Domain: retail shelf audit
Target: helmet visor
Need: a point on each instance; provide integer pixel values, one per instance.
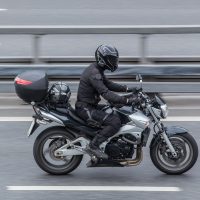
(113, 62)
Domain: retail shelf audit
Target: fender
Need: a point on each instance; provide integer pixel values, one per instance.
(175, 130)
(57, 128)
(170, 131)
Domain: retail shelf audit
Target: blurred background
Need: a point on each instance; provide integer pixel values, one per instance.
(89, 12)
(169, 63)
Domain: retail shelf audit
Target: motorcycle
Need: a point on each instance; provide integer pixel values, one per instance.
(59, 149)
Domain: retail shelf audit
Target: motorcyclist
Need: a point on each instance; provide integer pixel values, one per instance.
(93, 84)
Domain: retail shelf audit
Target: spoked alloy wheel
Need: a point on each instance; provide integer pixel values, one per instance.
(187, 154)
(50, 145)
(44, 152)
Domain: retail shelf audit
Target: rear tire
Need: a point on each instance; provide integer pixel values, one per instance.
(160, 160)
(39, 156)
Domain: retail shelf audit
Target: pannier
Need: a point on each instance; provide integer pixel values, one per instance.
(32, 86)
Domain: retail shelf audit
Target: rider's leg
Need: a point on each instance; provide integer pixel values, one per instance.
(111, 126)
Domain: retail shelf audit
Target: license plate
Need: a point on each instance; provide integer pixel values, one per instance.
(31, 129)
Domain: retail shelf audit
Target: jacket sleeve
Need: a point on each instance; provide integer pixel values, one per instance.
(114, 86)
(96, 81)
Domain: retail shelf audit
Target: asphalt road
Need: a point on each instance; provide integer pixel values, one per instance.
(18, 167)
(90, 12)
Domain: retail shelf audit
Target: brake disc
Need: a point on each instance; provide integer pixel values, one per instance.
(179, 147)
(54, 145)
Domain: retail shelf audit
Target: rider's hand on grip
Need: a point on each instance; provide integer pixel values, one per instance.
(135, 90)
(132, 101)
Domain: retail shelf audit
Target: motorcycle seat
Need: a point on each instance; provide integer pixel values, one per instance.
(72, 113)
(65, 114)
(88, 123)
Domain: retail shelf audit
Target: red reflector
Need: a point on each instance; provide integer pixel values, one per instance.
(22, 81)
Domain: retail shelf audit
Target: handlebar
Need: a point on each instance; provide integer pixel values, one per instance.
(144, 98)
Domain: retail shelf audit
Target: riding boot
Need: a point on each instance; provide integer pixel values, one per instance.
(93, 148)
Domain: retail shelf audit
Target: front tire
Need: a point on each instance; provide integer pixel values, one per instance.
(52, 139)
(187, 151)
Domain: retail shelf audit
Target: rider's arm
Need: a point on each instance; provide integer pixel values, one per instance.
(115, 86)
(97, 82)
(118, 87)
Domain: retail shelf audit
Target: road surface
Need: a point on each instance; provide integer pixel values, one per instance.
(18, 168)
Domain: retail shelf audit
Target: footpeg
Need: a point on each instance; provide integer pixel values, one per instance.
(93, 162)
(96, 153)
(94, 159)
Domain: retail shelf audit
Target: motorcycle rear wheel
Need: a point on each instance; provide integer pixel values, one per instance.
(46, 159)
(187, 151)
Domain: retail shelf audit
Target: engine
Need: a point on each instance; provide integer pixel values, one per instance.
(117, 148)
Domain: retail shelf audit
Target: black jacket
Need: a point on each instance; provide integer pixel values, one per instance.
(93, 84)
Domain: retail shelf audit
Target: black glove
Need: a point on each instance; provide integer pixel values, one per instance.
(135, 90)
(132, 101)
(116, 105)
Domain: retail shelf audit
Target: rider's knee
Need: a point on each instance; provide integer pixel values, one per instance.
(116, 122)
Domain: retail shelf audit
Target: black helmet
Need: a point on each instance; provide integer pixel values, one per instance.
(59, 94)
(107, 57)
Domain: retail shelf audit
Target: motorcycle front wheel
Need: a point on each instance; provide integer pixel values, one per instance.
(187, 154)
(44, 147)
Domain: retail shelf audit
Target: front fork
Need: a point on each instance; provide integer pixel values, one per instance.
(163, 133)
(169, 144)
(165, 137)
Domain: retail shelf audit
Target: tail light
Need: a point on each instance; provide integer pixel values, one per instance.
(20, 81)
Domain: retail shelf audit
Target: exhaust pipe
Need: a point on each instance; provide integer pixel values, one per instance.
(136, 161)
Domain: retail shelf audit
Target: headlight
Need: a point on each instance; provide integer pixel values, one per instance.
(164, 110)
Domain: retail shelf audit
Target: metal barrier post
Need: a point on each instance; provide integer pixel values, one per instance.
(36, 49)
(143, 49)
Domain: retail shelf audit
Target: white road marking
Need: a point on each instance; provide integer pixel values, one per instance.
(182, 119)
(184, 108)
(181, 97)
(15, 119)
(3, 9)
(169, 119)
(27, 106)
(95, 188)
(9, 97)
(24, 107)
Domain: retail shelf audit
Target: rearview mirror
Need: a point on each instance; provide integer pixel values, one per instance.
(138, 77)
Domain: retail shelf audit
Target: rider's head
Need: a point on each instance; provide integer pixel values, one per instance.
(107, 57)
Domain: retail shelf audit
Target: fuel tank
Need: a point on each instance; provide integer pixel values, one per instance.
(135, 117)
(140, 120)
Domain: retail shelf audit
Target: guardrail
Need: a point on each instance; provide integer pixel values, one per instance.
(143, 31)
(126, 71)
(62, 66)
(89, 59)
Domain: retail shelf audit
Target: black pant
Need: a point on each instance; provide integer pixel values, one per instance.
(111, 123)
